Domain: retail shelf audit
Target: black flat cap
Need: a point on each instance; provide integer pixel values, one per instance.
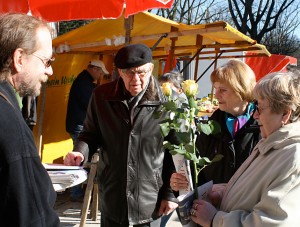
(133, 55)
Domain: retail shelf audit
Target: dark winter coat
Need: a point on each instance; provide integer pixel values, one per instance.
(79, 96)
(234, 150)
(132, 177)
(27, 196)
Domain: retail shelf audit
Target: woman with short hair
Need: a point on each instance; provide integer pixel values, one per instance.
(265, 189)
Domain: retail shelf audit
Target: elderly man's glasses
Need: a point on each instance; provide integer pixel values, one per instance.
(46, 61)
(130, 72)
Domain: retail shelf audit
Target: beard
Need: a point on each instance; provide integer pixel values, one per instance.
(31, 87)
(26, 90)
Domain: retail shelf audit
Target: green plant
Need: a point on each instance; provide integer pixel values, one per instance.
(179, 122)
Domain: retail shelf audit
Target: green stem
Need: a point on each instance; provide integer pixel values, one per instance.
(195, 180)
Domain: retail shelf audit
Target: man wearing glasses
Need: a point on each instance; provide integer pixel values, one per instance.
(133, 172)
(80, 93)
(27, 196)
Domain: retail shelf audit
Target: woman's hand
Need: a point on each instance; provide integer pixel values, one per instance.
(203, 213)
(178, 182)
(216, 194)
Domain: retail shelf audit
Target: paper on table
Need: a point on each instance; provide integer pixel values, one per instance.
(60, 167)
(67, 178)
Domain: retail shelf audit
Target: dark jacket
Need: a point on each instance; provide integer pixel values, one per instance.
(234, 150)
(80, 93)
(131, 174)
(27, 196)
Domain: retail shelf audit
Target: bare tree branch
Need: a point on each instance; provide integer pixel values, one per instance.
(256, 18)
(282, 39)
(188, 11)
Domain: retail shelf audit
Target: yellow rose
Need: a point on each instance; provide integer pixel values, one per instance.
(166, 89)
(190, 88)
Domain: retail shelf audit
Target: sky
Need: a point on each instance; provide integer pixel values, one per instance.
(297, 32)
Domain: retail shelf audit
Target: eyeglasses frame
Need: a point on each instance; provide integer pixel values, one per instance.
(46, 61)
(132, 73)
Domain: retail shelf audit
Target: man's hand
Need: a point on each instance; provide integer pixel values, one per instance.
(166, 207)
(73, 159)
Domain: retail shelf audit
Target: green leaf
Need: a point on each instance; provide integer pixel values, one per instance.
(180, 151)
(157, 114)
(172, 152)
(211, 127)
(189, 148)
(215, 127)
(183, 137)
(165, 129)
(192, 102)
(167, 145)
(191, 156)
(217, 158)
(201, 162)
(182, 116)
(205, 128)
(170, 106)
(207, 160)
(180, 110)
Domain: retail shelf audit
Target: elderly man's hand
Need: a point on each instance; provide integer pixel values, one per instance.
(166, 207)
(73, 159)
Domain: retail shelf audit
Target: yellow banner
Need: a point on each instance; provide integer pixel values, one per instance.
(56, 142)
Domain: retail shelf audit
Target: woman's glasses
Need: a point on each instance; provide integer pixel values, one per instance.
(259, 109)
(256, 107)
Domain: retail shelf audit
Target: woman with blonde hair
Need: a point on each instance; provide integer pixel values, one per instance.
(233, 82)
(264, 190)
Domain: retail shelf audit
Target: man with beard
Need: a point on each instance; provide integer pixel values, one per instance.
(133, 170)
(27, 196)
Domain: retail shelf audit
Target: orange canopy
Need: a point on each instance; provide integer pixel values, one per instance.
(275, 63)
(62, 10)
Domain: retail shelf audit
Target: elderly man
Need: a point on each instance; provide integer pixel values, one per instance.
(27, 196)
(133, 169)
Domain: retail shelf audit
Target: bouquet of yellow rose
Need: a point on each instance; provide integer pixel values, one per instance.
(179, 117)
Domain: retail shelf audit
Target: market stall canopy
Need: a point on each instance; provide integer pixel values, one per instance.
(276, 63)
(105, 37)
(62, 10)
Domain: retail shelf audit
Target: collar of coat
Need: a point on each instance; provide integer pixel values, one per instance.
(283, 137)
(8, 90)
